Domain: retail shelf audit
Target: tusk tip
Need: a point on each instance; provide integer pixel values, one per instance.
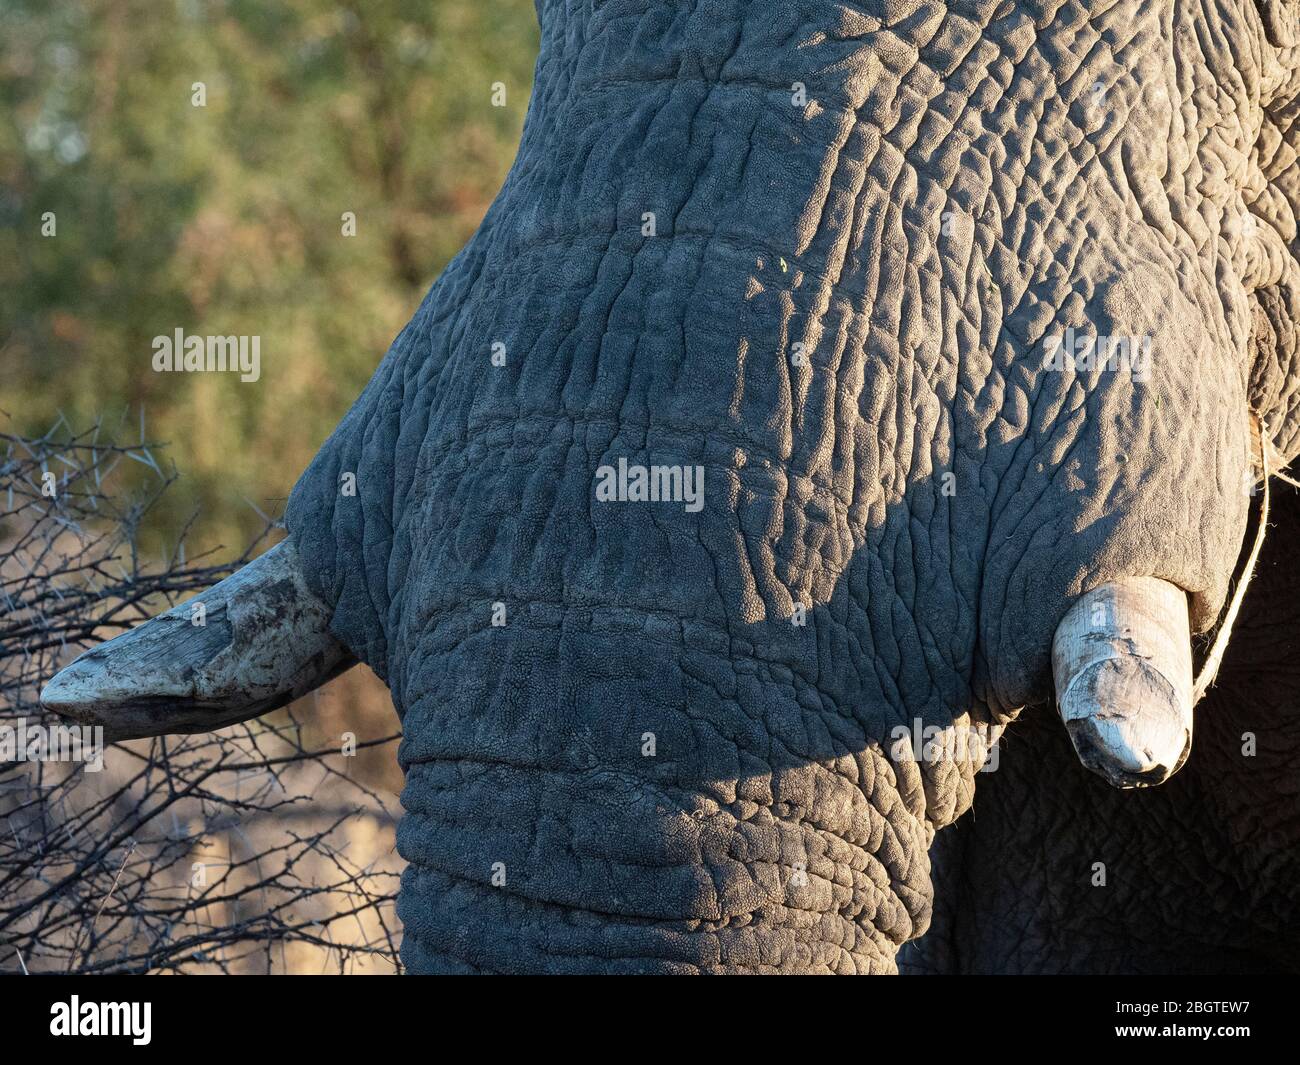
(69, 693)
(90, 691)
(1127, 722)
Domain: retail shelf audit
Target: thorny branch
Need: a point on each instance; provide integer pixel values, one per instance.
(218, 852)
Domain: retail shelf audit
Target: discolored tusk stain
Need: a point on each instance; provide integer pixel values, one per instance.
(1122, 663)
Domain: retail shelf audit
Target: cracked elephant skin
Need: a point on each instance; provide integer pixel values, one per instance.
(817, 251)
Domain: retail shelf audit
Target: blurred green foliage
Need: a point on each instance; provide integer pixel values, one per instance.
(226, 219)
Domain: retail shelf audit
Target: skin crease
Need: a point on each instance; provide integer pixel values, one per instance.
(816, 250)
(1202, 873)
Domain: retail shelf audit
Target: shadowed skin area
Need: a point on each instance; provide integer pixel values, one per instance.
(866, 219)
(1202, 873)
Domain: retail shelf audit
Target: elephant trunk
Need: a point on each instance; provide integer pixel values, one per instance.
(590, 791)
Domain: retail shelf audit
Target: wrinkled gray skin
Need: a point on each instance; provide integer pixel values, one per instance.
(1098, 166)
(1202, 875)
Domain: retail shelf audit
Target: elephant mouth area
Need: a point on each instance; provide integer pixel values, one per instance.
(660, 802)
(596, 871)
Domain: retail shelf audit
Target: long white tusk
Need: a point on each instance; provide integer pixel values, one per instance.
(260, 640)
(1122, 661)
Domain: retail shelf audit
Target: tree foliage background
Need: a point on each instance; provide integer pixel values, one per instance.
(226, 219)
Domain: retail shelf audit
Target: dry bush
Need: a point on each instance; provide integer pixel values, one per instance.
(257, 848)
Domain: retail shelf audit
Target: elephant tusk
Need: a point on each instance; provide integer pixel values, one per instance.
(1122, 662)
(249, 644)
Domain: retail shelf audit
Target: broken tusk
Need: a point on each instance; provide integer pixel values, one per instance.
(1122, 662)
(247, 645)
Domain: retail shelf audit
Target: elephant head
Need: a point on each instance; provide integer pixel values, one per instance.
(816, 365)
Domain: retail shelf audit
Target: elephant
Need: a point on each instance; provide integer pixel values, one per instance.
(824, 377)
